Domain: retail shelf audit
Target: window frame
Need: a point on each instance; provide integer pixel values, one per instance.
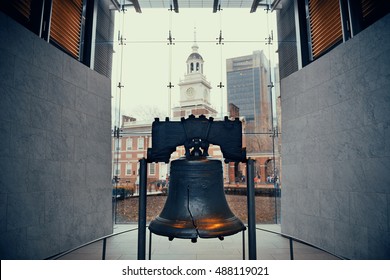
(129, 144)
(152, 169)
(40, 18)
(352, 23)
(129, 167)
(140, 143)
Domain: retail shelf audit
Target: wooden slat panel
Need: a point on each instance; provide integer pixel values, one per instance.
(372, 10)
(325, 25)
(24, 7)
(65, 26)
(368, 7)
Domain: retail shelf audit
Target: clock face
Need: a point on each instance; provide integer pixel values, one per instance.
(190, 92)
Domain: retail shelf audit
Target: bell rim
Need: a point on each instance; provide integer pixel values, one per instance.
(199, 231)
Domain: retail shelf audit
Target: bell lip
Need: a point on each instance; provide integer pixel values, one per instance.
(171, 231)
(190, 233)
(192, 158)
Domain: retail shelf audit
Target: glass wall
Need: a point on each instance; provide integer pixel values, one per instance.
(150, 79)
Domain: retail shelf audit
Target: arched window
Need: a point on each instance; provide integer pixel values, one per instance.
(192, 67)
(197, 67)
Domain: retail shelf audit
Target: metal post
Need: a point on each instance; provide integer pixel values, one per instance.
(251, 209)
(104, 249)
(291, 249)
(150, 245)
(142, 210)
(243, 244)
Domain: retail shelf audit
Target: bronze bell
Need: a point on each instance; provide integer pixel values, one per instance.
(196, 205)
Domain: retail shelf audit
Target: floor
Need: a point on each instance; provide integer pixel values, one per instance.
(270, 246)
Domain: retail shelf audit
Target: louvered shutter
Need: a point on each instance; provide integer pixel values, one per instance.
(65, 28)
(372, 10)
(325, 25)
(23, 7)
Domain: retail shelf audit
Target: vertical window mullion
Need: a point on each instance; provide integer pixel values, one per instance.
(309, 39)
(345, 20)
(87, 32)
(46, 20)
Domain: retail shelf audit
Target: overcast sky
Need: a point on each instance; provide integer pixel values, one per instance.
(147, 68)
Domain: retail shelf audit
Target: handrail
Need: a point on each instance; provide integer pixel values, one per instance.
(104, 238)
(291, 238)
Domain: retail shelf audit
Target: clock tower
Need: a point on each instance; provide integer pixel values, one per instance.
(194, 89)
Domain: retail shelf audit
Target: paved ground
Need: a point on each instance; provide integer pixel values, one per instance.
(270, 246)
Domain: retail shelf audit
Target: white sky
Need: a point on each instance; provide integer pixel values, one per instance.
(146, 67)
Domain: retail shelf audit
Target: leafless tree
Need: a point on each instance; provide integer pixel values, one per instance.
(148, 113)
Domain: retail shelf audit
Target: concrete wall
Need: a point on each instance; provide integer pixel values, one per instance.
(55, 160)
(336, 148)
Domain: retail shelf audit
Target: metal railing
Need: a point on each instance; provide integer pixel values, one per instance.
(104, 244)
(291, 239)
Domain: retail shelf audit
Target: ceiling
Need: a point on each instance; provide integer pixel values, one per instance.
(215, 5)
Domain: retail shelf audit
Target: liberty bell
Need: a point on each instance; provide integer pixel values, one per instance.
(196, 205)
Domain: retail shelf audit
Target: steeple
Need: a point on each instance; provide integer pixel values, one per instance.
(194, 88)
(195, 45)
(195, 60)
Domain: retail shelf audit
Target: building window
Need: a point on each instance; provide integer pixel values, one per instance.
(58, 21)
(363, 13)
(69, 25)
(25, 12)
(152, 168)
(65, 28)
(117, 169)
(324, 25)
(141, 143)
(129, 144)
(128, 169)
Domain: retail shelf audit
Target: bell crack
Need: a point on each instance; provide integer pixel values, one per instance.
(193, 240)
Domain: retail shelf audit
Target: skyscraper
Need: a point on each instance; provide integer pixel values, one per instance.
(248, 78)
(248, 81)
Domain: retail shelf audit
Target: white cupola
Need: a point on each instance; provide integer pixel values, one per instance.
(195, 60)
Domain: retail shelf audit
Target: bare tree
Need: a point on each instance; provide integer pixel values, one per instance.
(258, 143)
(148, 113)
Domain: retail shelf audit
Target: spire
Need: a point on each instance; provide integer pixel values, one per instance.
(194, 34)
(195, 45)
